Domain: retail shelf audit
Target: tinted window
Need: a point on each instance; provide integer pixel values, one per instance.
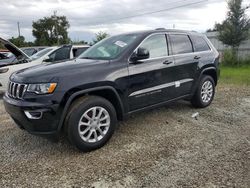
(199, 44)
(156, 45)
(181, 44)
(60, 54)
(29, 51)
(79, 51)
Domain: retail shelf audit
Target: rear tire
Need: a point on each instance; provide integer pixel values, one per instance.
(90, 122)
(204, 93)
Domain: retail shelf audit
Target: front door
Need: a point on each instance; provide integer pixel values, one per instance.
(151, 80)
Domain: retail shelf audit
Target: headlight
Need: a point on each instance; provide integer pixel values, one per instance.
(45, 88)
(4, 70)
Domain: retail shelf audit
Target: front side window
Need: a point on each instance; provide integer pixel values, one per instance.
(60, 54)
(199, 44)
(79, 51)
(181, 44)
(156, 45)
(109, 48)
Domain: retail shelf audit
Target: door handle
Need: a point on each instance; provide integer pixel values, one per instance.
(167, 62)
(197, 57)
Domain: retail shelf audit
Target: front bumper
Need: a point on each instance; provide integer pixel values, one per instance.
(46, 124)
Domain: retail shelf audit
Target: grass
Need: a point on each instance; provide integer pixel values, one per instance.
(235, 75)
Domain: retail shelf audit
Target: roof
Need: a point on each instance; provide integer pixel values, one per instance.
(158, 30)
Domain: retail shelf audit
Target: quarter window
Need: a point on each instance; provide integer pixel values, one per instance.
(199, 44)
(181, 44)
(156, 45)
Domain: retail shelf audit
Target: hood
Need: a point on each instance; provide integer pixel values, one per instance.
(44, 72)
(13, 49)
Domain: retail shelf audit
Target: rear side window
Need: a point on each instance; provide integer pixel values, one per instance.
(156, 45)
(199, 44)
(181, 44)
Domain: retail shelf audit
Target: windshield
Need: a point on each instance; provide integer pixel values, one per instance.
(41, 53)
(28, 51)
(109, 48)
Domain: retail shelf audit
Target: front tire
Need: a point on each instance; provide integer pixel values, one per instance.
(204, 94)
(90, 122)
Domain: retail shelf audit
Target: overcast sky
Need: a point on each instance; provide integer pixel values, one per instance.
(87, 17)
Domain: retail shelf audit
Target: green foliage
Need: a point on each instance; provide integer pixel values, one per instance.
(235, 28)
(217, 27)
(51, 30)
(20, 42)
(230, 58)
(235, 75)
(99, 36)
(79, 42)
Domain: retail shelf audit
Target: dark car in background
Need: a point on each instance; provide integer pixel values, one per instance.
(113, 79)
(32, 50)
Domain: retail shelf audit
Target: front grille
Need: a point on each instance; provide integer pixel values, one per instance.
(16, 90)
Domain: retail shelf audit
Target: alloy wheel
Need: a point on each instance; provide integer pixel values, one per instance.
(94, 124)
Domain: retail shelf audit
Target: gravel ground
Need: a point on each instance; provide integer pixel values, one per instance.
(165, 147)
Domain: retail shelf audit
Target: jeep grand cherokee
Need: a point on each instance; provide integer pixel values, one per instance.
(118, 76)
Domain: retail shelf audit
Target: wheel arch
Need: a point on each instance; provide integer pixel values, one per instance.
(107, 92)
(211, 71)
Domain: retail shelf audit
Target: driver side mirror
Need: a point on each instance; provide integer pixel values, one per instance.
(140, 54)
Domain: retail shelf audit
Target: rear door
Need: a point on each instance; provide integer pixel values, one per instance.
(202, 50)
(151, 80)
(185, 61)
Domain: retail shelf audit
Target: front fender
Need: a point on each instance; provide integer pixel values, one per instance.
(82, 92)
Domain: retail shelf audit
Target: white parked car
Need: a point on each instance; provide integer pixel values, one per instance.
(50, 54)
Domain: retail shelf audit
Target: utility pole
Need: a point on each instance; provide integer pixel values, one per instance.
(56, 29)
(18, 29)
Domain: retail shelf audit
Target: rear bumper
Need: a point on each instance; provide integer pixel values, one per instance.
(45, 123)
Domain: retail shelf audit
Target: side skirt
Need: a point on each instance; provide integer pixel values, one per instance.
(159, 104)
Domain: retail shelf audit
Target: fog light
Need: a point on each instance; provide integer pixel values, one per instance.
(33, 114)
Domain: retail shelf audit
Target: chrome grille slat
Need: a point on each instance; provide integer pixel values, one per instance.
(16, 90)
(11, 92)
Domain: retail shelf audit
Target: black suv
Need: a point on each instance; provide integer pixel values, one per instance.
(116, 77)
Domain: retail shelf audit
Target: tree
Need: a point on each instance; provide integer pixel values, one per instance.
(81, 42)
(51, 30)
(217, 27)
(235, 28)
(18, 41)
(99, 36)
